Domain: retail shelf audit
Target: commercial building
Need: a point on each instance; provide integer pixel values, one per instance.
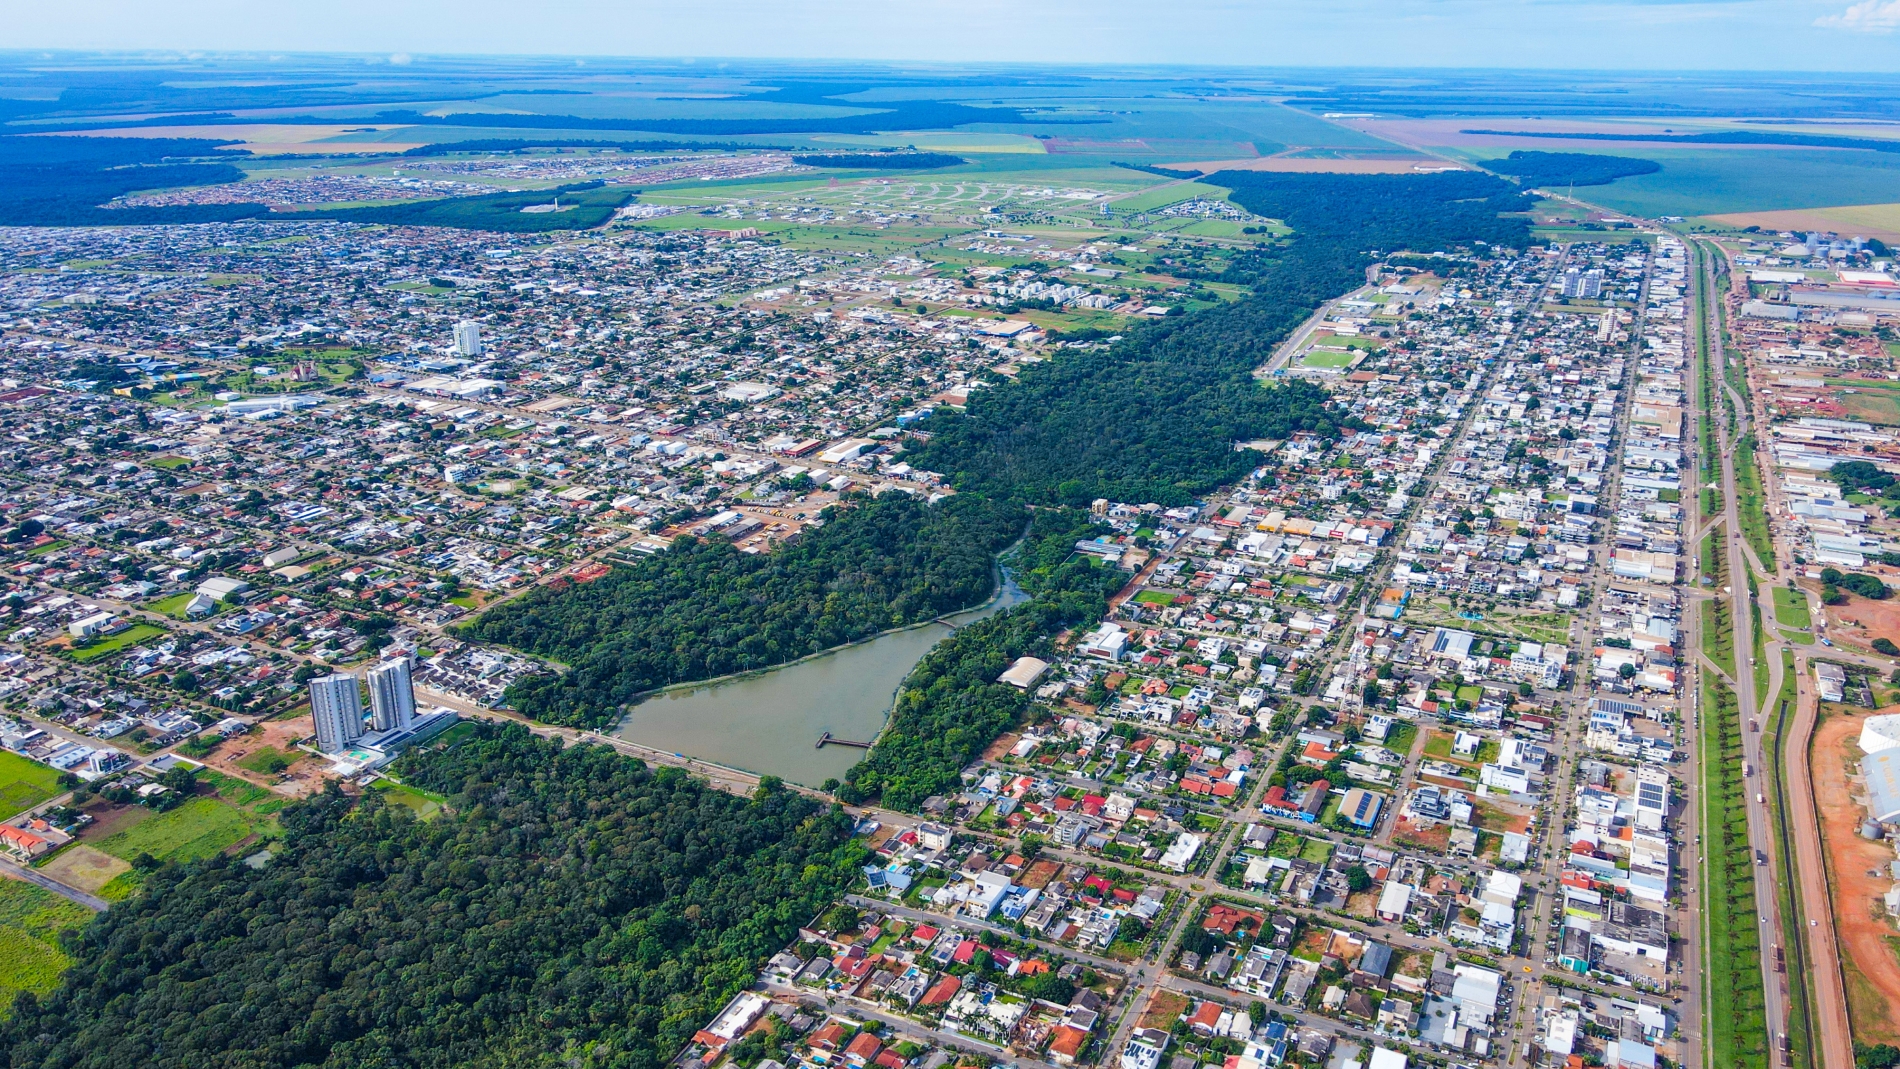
(1883, 785)
(392, 695)
(337, 707)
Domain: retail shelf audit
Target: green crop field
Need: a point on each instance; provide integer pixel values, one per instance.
(31, 919)
(198, 829)
(1711, 181)
(24, 784)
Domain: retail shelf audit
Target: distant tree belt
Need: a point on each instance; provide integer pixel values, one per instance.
(1714, 137)
(915, 161)
(61, 181)
(490, 144)
(569, 907)
(1570, 168)
(904, 115)
(950, 707)
(1165, 172)
(1156, 417)
(594, 204)
(703, 609)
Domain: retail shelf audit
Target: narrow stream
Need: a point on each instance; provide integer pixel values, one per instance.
(770, 722)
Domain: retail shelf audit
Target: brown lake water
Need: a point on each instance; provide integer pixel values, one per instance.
(769, 722)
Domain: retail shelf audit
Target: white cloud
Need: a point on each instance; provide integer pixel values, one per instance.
(1868, 16)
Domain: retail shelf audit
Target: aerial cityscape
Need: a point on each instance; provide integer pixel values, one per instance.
(593, 560)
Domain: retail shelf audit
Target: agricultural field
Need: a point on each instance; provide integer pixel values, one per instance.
(24, 784)
(31, 920)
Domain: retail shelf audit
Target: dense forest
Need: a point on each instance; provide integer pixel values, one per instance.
(703, 609)
(1156, 417)
(571, 907)
(951, 706)
(592, 204)
(1570, 168)
(61, 181)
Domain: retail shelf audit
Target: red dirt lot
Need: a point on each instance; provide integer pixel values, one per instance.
(1860, 621)
(1866, 937)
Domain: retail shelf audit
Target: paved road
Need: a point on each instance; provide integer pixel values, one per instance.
(1827, 990)
(1749, 703)
(904, 1027)
(39, 879)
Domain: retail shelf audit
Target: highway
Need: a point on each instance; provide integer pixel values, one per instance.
(1755, 709)
(1816, 946)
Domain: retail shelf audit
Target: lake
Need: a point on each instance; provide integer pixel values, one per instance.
(769, 722)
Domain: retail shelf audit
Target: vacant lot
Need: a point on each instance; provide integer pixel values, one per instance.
(24, 784)
(31, 919)
(1857, 870)
(198, 829)
(85, 867)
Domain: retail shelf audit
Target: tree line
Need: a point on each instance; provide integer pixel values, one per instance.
(1157, 416)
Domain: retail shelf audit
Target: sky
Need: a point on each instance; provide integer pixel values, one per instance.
(1806, 35)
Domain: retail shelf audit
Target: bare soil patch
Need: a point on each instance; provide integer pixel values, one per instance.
(1865, 936)
(83, 867)
(302, 778)
(1860, 621)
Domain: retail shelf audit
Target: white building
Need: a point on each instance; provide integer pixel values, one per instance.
(468, 338)
(1879, 733)
(392, 695)
(337, 707)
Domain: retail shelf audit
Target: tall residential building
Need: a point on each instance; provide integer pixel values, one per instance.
(337, 707)
(392, 695)
(468, 338)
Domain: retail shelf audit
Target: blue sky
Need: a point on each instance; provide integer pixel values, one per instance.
(1810, 35)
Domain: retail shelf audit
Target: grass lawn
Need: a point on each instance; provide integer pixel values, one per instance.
(112, 644)
(425, 803)
(1470, 693)
(1318, 851)
(232, 789)
(198, 829)
(174, 606)
(24, 784)
(31, 919)
(267, 760)
(1154, 597)
(1791, 608)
